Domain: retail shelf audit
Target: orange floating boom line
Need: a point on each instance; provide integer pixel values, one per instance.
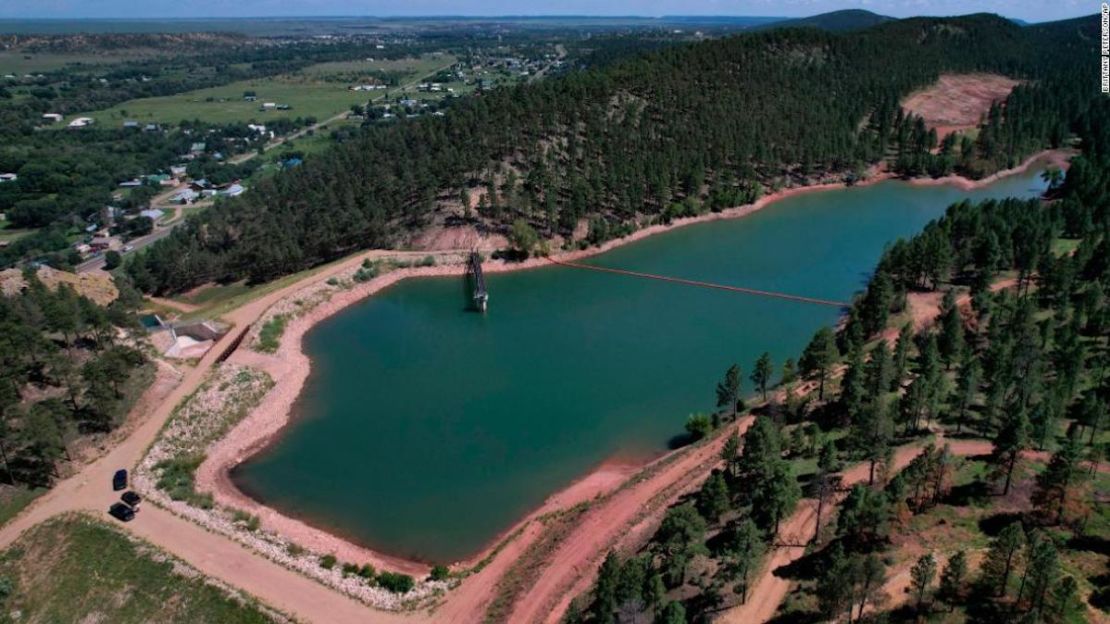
(689, 282)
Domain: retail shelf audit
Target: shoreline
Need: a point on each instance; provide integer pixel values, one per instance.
(290, 367)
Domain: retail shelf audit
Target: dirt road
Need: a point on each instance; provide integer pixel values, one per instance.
(572, 567)
(769, 591)
(90, 490)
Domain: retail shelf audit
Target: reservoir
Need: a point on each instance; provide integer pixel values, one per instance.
(426, 430)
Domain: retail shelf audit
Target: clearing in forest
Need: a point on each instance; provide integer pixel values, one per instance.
(958, 102)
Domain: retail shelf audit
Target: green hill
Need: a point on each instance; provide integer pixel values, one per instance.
(677, 131)
(835, 21)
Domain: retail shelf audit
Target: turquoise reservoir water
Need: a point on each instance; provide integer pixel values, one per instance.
(426, 430)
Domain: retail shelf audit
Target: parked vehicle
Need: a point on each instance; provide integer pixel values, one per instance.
(119, 480)
(121, 512)
(132, 498)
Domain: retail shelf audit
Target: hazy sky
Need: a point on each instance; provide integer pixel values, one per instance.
(1032, 10)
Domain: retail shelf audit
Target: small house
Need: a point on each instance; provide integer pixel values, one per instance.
(52, 117)
(8, 177)
(234, 190)
(81, 122)
(269, 105)
(197, 148)
(131, 124)
(186, 196)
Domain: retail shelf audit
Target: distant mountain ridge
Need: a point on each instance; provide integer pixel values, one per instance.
(835, 21)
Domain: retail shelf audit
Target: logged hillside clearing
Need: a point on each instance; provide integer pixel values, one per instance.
(959, 102)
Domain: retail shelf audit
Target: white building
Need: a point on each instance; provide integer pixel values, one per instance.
(81, 122)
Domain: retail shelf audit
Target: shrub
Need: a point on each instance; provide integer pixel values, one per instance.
(440, 572)
(176, 478)
(250, 521)
(349, 569)
(396, 583)
(112, 259)
(269, 338)
(367, 572)
(365, 274)
(327, 562)
(699, 426)
(294, 549)
(428, 261)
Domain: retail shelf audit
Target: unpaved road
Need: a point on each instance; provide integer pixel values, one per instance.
(217, 556)
(769, 591)
(570, 570)
(90, 490)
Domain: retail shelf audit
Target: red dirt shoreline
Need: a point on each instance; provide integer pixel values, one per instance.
(290, 368)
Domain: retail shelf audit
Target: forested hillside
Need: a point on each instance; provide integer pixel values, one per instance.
(1015, 364)
(673, 132)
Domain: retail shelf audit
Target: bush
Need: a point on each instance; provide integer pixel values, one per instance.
(249, 521)
(365, 274)
(396, 583)
(176, 478)
(294, 549)
(269, 338)
(367, 572)
(428, 261)
(327, 562)
(440, 572)
(112, 259)
(699, 426)
(349, 569)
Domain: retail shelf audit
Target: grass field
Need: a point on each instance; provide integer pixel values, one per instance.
(10, 234)
(78, 569)
(13, 499)
(20, 63)
(306, 92)
(416, 67)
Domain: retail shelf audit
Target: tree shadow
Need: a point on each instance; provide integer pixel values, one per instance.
(1090, 543)
(968, 494)
(992, 525)
(807, 567)
(680, 440)
(797, 617)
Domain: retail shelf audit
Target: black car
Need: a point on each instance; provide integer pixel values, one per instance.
(132, 499)
(121, 512)
(119, 480)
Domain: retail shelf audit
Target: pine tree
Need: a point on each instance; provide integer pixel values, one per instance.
(951, 340)
(713, 499)
(901, 357)
(879, 370)
(728, 390)
(952, 580)
(819, 356)
(1057, 485)
(1011, 440)
(605, 589)
(1003, 556)
(743, 552)
(852, 387)
(762, 373)
(922, 574)
(1041, 573)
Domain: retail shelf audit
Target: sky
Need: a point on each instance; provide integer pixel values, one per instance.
(1030, 10)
